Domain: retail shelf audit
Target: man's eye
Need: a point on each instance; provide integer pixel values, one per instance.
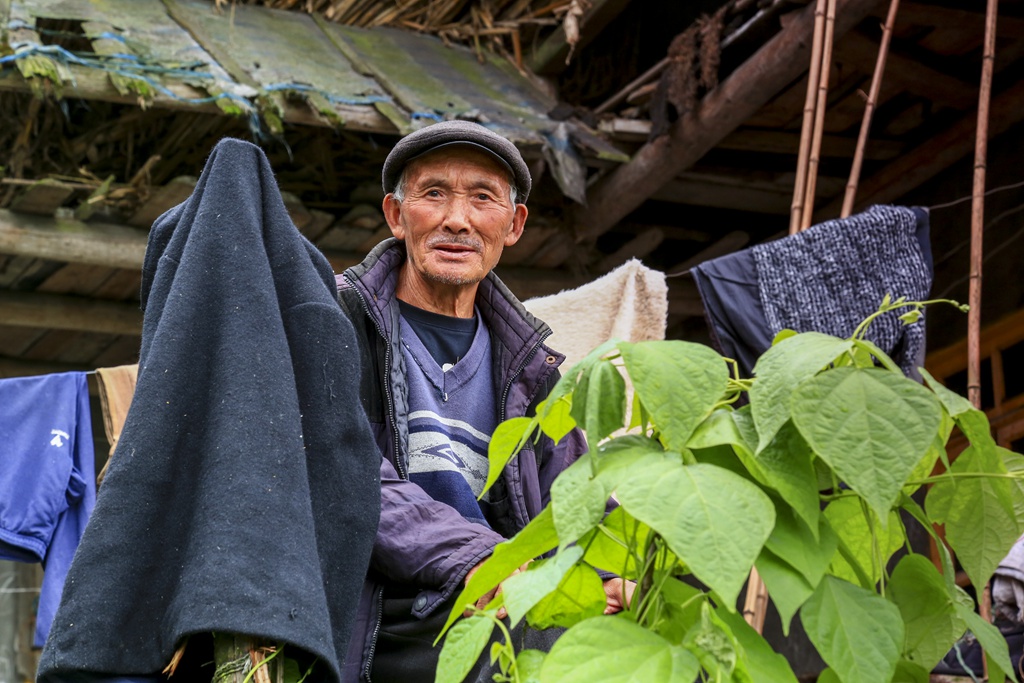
(433, 193)
(483, 196)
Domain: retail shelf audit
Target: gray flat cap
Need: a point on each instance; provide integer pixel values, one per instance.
(453, 133)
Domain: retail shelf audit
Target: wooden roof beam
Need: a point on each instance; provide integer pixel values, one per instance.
(922, 14)
(771, 69)
(59, 312)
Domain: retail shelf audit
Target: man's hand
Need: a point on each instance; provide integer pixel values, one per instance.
(489, 595)
(619, 595)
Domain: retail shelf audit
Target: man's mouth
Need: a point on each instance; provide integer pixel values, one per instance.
(455, 249)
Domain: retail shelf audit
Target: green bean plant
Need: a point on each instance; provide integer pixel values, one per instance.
(806, 482)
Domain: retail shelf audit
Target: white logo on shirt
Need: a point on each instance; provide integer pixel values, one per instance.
(57, 434)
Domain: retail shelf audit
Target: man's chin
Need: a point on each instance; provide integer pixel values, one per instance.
(455, 277)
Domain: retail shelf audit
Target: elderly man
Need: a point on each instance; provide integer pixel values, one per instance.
(448, 353)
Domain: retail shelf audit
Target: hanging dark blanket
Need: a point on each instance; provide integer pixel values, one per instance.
(244, 494)
(827, 278)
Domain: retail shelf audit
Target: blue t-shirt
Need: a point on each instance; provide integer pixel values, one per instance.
(451, 417)
(47, 478)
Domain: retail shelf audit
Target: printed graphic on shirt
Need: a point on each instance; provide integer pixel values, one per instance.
(59, 436)
(438, 444)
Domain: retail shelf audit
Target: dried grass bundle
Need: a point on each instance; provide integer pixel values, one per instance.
(502, 25)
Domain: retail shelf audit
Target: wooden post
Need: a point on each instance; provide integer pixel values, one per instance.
(807, 128)
(977, 231)
(820, 104)
(869, 110)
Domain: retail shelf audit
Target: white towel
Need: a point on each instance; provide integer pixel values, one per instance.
(630, 303)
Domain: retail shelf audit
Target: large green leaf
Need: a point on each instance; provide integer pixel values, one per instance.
(870, 425)
(978, 511)
(577, 501)
(735, 428)
(809, 553)
(537, 538)
(580, 595)
(955, 403)
(678, 383)
(618, 545)
(528, 665)
(506, 441)
(1014, 463)
(780, 369)
(624, 456)
(975, 426)
(682, 605)
(557, 417)
(616, 650)
(935, 451)
(929, 615)
(910, 672)
(462, 647)
(526, 589)
(788, 468)
(991, 640)
(756, 655)
(715, 647)
(713, 520)
(856, 631)
(567, 384)
(599, 402)
(846, 517)
(787, 587)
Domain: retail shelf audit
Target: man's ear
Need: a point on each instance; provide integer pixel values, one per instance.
(393, 215)
(518, 223)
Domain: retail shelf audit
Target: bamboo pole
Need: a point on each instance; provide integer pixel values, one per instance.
(977, 231)
(806, 130)
(869, 110)
(755, 605)
(820, 104)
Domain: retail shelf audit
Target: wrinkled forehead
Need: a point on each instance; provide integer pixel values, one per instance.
(458, 159)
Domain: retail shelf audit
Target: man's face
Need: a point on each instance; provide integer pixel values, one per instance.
(456, 217)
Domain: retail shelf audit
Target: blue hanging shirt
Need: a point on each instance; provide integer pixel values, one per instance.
(47, 478)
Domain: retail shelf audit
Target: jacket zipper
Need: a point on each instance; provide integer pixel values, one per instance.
(376, 632)
(399, 465)
(512, 379)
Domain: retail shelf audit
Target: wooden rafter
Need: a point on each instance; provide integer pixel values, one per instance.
(57, 312)
(771, 69)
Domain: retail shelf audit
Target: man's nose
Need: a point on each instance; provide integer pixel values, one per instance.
(458, 217)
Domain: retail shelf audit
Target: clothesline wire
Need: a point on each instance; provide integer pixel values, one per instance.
(969, 197)
(989, 252)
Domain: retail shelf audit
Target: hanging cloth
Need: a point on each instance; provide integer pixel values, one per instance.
(243, 496)
(47, 488)
(827, 279)
(630, 303)
(117, 386)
